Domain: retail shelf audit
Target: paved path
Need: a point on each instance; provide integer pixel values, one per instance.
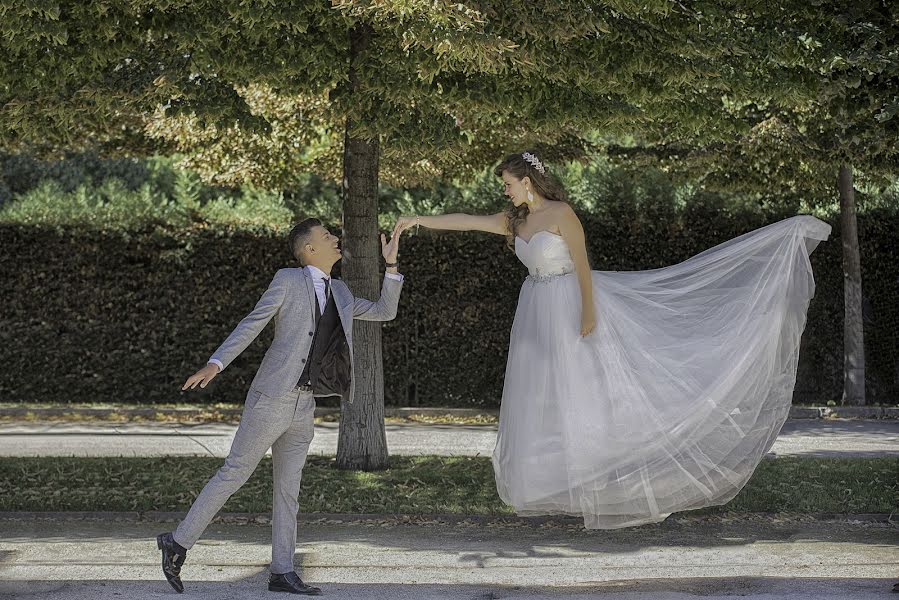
(687, 558)
(800, 437)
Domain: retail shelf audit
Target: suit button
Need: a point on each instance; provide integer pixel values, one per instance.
(310, 333)
(304, 360)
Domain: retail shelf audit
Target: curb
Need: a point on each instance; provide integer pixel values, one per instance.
(844, 412)
(796, 412)
(427, 519)
(320, 411)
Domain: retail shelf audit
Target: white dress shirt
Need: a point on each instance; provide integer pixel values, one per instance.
(318, 282)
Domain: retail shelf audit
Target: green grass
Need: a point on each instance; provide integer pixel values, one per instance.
(218, 412)
(413, 485)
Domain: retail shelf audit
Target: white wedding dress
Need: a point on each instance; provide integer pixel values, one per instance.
(677, 395)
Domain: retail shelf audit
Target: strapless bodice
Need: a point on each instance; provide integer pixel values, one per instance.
(545, 255)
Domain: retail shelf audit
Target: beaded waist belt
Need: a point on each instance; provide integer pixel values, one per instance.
(544, 277)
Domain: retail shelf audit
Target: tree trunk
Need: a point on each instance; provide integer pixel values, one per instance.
(853, 330)
(362, 443)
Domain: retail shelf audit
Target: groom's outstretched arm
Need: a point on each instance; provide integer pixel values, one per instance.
(386, 306)
(246, 331)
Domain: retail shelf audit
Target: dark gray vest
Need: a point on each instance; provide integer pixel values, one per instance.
(328, 368)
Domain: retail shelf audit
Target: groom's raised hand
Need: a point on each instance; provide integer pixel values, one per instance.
(391, 249)
(201, 377)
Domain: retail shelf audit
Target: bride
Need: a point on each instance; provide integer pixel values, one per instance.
(632, 395)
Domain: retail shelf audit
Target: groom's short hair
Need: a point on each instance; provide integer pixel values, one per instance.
(299, 236)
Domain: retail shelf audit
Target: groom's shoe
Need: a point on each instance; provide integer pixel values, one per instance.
(291, 582)
(173, 557)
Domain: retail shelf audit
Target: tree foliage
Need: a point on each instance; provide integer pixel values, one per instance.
(257, 91)
(849, 115)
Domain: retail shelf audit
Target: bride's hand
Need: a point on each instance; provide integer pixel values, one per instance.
(404, 223)
(588, 323)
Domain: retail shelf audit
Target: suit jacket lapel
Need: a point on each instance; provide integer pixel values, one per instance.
(340, 300)
(310, 290)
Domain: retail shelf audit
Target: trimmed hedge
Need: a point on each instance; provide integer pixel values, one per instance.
(117, 317)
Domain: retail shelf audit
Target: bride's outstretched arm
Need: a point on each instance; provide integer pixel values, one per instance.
(457, 222)
(573, 234)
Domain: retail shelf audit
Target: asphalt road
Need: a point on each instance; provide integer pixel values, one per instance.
(676, 560)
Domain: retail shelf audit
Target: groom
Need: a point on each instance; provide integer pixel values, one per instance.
(311, 355)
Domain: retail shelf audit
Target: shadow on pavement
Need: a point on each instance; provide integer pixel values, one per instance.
(770, 588)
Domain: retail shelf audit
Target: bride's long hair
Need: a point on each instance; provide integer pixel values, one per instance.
(544, 184)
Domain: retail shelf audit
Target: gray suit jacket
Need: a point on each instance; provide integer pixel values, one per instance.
(289, 300)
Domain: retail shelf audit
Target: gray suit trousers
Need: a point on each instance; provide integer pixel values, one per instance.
(284, 424)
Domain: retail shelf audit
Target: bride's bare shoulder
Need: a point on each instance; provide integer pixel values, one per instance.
(561, 211)
(559, 205)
